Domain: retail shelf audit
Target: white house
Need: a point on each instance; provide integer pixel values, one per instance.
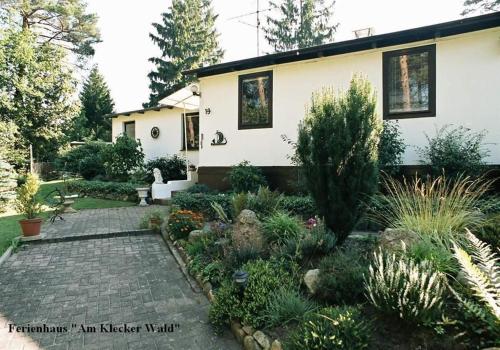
(426, 78)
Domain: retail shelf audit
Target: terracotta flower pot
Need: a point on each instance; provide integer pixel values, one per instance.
(155, 221)
(31, 227)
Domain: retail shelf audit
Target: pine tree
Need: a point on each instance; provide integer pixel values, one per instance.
(302, 23)
(96, 102)
(482, 6)
(188, 39)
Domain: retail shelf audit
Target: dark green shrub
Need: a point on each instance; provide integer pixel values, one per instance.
(302, 206)
(331, 328)
(313, 243)
(122, 158)
(280, 227)
(105, 190)
(341, 276)
(171, 168)
(265, 278)
(288, 306)
(490, 231)
(391, 147)
(201, 188)
(246, 178)
(86, 159)
(455, 151)
(201, 203)
(337, 148)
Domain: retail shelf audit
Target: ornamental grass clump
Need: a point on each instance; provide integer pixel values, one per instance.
(400, 287)
(182, 222)
(438, 210)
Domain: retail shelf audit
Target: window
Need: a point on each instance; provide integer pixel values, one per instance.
(255, 101)
(129, 129)
(193, 132)
(410, 83)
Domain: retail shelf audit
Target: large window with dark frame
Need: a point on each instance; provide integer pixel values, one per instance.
(410, 83)
(192, 130)
(255, 100)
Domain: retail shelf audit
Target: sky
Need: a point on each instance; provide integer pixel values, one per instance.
(125, 25)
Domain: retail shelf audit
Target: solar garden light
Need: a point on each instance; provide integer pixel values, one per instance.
(241, 279)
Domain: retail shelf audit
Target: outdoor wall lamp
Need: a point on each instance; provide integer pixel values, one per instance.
(195, 89)
(241, 279)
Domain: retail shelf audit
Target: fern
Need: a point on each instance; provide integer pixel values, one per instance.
(482, 272)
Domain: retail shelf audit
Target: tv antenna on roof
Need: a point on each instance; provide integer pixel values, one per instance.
(257, 25)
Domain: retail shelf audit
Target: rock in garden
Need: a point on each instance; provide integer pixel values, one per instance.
(391, 239)
(247, 232)
(196, 235)
(311, 280)
(262, 339)
(276, 345)
(249, 343)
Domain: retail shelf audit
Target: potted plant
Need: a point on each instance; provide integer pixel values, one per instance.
(27, 204)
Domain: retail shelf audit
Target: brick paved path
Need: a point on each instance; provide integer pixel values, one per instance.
(132, 279)
(98, 221)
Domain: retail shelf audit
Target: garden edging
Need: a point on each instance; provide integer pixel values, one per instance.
(249, 338)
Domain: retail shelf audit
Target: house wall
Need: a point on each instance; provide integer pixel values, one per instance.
(467, 93)
(169, 121)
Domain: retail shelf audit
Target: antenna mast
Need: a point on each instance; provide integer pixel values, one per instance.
(258, 29)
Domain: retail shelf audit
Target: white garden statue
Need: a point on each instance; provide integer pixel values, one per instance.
(157, 175)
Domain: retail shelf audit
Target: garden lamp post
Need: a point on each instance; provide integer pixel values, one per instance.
(240, 278)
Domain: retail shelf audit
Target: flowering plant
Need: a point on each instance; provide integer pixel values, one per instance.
(182, 222)
(312, 222)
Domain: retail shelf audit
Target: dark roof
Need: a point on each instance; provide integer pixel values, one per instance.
(460, 26)
(141, 111)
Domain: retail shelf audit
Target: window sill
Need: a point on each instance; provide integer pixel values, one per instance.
(410, 115)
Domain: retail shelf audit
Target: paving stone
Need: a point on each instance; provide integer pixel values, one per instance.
(129, 279)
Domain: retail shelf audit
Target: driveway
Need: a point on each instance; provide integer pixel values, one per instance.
(108, 293)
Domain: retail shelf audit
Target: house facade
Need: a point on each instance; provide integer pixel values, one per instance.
(161, 131)
(425, 78)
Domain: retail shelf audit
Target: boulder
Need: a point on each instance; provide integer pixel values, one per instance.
(392, 238)
(276, 345)
(249, 343)
(247, 232)
(262, 339)
(196, 235)
(311, 280)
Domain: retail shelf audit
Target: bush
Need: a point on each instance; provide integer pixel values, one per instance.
(86, 159)
(182, 222)
(391, 148)
(402, 288)
(201, 188)
(106, 190)
(246, 178)
(455, 152)
(288, 306)
(122, 158)
(332, 328)
(201, 203)
(264, 279)
(279, 227)
(302, 206)
(489, 232)
(171, 168)
(438, 256)
(337, 148)
(341, 276)
(438, 210)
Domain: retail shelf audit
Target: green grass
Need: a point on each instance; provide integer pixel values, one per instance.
(9, 226)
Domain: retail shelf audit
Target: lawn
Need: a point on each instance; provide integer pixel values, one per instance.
(9, 226)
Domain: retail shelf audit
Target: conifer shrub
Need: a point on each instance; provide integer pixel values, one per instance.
(337, 147)
(245, 177)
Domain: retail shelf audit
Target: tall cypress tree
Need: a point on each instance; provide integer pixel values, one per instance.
(96, 102)
(188, 39)
(301, 23)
